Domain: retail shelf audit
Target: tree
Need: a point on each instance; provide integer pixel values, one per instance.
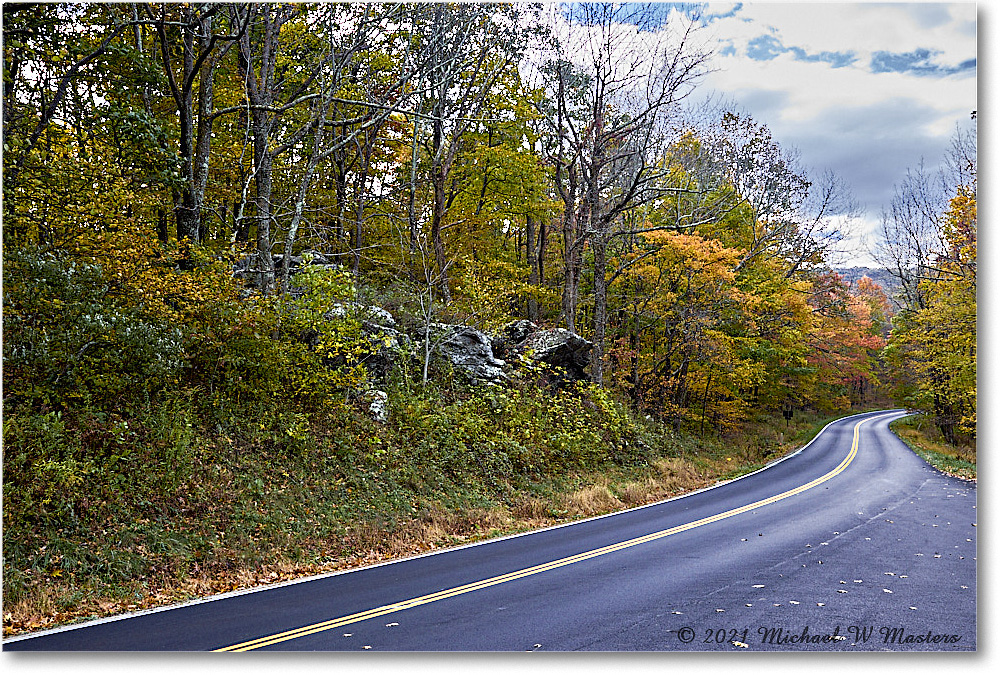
(929, 244)
(620, 73)
(191, 31)
(910, 232)
(469, 48)
(44, 60)
(846, 337)
(337, 72)
(937, 341)
(679, 299)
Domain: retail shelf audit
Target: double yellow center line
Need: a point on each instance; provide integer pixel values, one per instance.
(529, 571)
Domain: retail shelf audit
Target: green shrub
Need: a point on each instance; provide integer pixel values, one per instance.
(66, 341)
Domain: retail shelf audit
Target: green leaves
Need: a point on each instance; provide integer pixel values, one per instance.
(64, 341)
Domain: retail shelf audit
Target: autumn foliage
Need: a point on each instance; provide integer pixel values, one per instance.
(933, 343)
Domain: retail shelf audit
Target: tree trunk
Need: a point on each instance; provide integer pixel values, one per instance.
(571, 257)
(188, 210)
(412, 205)
(543, 231)
(532, 258)
(162, 231)
(262, 202)
(438, 180)
(203, 131)
(600, 248)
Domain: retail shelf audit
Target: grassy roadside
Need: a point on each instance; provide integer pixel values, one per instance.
(925, 439)
(233, 516)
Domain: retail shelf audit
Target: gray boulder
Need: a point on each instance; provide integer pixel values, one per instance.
(561, 351)
(511, 335)
(468, 350)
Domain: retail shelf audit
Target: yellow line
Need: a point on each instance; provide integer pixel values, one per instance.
(529, 571)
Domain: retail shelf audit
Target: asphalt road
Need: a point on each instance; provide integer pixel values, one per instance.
(852, 544)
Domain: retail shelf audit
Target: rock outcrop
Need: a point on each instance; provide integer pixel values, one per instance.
(563, 352)
(468, 350)
(370, 313)
(559, 355)
(388, 346)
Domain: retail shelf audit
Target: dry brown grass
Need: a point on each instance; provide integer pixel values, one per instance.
(591, 501)
(528, 508)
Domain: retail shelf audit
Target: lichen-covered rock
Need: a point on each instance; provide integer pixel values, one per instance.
(563, 353)
(559, 348)
(468, 350)
(370, 313)
(388, 348)
(379, 407)
(511, 335)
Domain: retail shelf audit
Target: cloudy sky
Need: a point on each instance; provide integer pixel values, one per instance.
(864, 89)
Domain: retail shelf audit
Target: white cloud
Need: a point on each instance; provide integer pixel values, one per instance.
(868, 126)
(808, 71)
(857, 29)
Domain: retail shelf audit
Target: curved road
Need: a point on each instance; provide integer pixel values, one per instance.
(853, 543)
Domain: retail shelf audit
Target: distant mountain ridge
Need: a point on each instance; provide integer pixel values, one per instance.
(882, 277)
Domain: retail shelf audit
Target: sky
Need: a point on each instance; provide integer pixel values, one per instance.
(865, 89)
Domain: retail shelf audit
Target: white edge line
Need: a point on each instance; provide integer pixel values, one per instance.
(326, 575)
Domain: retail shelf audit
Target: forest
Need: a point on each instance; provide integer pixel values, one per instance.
(190, 188)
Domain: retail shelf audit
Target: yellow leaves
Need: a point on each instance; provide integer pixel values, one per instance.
(960, 230)
(935, 346)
